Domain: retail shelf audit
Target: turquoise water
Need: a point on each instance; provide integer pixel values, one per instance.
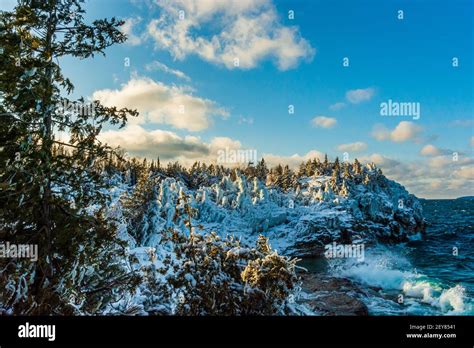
(451, 226)
(430, 276)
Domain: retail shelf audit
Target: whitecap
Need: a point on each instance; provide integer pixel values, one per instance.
(392, 272)
(453, 300)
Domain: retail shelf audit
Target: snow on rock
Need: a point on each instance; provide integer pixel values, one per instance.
(298, 222)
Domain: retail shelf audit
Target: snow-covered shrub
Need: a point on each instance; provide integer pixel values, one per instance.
(270, 272)
(210, 275)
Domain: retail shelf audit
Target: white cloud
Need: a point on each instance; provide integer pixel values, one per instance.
(156, 65)
(292, 161)
(160, 103)
(356, 96)
(248, 30)
(439, 162)
(404, 131)
(465, 172)
(431, 150)
(127, 29)
(353, 147)
(219, 143)
(472, 141)
(380, 160)
(337, 106)
(380, 132)
(323, 122)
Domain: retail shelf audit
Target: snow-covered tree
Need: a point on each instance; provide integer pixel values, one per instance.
(347, 172)
(325, 165)
(48, 186)
(262, 170)
(344, 190)
(357, 167)
(141, 210)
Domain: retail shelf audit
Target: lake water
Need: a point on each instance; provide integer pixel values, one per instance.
(433, 275)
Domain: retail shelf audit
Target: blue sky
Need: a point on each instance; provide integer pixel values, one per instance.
(295, 62)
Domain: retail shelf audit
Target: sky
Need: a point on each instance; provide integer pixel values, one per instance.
(292, 80)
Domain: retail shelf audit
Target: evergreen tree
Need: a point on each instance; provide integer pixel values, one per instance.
(262, 170)
(325, 164)
(271, 177)
(344, 191)
(309, 168)
(45, 194)
(335, 178)
(212, 169)
(141, 209)
(250, 171)
(337, 165)
(347, 172)
(278, 176)
(286, 178)
(366, 179)
(302, 170)
(357, 167)
(279, 170)
(316, 166)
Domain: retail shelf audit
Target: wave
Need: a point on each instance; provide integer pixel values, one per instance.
(394, 286)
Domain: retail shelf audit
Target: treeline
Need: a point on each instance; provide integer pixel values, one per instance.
(279, 176)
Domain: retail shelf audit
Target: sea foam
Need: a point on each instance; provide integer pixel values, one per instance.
(391, 271)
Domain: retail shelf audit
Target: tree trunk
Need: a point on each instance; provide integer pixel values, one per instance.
(48, 139)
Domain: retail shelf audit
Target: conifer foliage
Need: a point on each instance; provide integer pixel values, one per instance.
(51, 191)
